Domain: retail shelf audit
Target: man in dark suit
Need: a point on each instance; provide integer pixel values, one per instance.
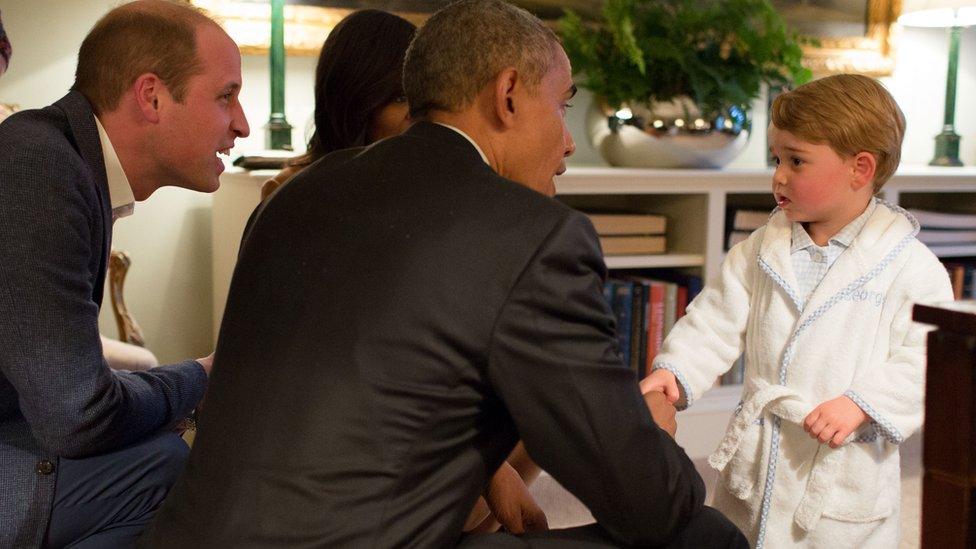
(86, 453)
(401, 315)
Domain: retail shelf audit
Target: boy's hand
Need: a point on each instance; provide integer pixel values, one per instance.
(662, 381)
(833, 420)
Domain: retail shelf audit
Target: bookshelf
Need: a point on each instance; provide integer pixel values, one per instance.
(695, 202)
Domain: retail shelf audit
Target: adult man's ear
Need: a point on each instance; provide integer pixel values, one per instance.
(148, 87)
(505, 87)
(865, 166)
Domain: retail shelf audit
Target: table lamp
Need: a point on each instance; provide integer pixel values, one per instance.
(954, 14)
(279, 130)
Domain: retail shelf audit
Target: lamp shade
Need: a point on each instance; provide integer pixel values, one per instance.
(938, 13)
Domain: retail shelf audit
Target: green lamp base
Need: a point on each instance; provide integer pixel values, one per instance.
(279, 132)
(946, 149)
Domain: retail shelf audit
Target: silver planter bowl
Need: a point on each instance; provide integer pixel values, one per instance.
(667, 135)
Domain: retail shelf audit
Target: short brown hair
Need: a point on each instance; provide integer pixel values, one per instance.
(462, 47)
(850, 113)
(151, 36)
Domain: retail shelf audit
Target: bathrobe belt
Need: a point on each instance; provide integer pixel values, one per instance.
(785, 403)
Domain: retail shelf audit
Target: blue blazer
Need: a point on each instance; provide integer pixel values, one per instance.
(58, 397)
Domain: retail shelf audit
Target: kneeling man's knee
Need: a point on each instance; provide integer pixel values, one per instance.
(166, 454)
(713, 529)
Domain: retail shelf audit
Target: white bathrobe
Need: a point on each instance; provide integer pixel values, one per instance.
(853, 337)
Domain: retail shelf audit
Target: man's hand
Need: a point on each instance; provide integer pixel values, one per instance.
(661, 381)
(479, 518)
(512, 505)
(834, 420)
(509, 503)
(207, 363)
(662, 411)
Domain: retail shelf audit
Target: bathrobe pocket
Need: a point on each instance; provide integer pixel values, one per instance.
(865, 490)
(741, 474)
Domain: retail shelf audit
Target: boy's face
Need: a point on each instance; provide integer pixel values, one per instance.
(814, 185)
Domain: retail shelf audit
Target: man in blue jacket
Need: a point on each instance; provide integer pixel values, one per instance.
(87, 453)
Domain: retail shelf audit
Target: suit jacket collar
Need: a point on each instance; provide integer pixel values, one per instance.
(84, 134)
(447, 139)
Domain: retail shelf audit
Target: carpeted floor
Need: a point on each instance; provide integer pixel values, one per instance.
(564, 510)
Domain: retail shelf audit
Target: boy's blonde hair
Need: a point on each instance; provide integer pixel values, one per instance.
(850, 113)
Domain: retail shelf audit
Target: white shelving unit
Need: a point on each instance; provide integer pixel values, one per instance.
(695, 202)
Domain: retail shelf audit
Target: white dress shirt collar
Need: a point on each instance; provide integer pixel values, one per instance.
(119, 190)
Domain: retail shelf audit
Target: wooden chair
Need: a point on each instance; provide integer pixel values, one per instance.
(128, 352)
(129, 330)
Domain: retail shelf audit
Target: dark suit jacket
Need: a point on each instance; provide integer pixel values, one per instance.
(398, 318)
(57, 395)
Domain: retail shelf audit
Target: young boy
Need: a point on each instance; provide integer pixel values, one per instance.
(820, 301)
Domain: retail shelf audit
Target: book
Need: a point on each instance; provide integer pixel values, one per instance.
(608, 293)
(670, 306)
(632, 245)
(967, 277)
(655, 325)
(692, 282)
(962, 276)
(627, 224)
(638, 329)
(935, 237)
(623, 296)
(749, 220)
(957, 274)
(942, 220)
(682, 301)
(971, 277)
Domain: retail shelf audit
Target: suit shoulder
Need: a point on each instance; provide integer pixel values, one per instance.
(337, 158)
(331, 163)
(531, 199)
(40, 160)
(41, 134)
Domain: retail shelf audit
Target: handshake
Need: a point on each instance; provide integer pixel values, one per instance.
(660, 390)
(830, 423)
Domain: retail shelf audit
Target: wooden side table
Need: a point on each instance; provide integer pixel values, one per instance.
(949, 453)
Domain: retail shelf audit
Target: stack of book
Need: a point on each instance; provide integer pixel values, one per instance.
(629, 234)
(646, 309)
(741, 222)
(941, 229)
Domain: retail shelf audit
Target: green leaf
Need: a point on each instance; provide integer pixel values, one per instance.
(718, 52)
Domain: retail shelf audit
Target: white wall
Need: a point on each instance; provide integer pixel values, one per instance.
(169, 288)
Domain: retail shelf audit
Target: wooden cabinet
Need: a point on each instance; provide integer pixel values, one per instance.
(949, 451)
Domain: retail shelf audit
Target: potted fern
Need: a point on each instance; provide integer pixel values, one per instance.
(675, 78)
